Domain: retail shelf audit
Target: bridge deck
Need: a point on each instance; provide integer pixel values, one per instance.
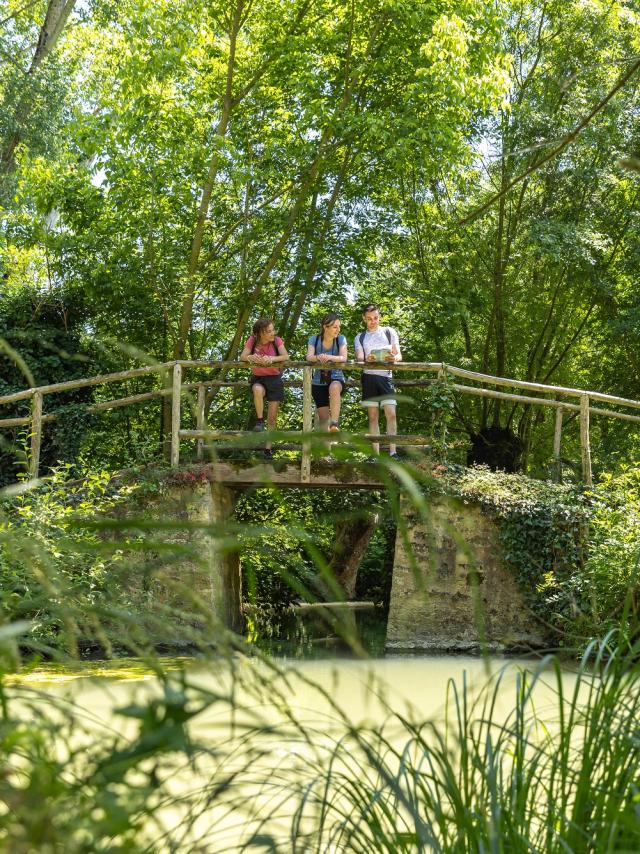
(282, 474)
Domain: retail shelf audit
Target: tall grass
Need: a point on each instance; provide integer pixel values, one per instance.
(223, 759)
(226, 761)
(561, 778)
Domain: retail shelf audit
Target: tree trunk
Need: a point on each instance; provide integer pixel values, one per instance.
(351, 542)
(297, 301)
(498, 298)
(186, 314)
(186, 317)
(278, 249)
(56, 17)
(301, 267)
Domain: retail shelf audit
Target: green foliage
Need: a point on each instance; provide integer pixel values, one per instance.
(48, 334)
(47, 331)
(375, 573)
(73, 421)
(574, 552)
(353, 141)
(611, 584)
(538, 287)
(277, 569)
(79, 785)
(286, 564)
(558, 778)
(440, 401)
(53, 572)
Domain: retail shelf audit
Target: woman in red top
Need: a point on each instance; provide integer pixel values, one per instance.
(264, 349)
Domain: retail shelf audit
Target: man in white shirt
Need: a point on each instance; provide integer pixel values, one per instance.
(378, 344)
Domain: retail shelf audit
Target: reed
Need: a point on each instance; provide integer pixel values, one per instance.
(226, 761)
(563, 778)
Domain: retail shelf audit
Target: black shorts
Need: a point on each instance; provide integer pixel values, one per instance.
(273, 387)
(377, 391)
(320, 393)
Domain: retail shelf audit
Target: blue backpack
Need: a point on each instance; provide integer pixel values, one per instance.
(325, 374)
(334, 345)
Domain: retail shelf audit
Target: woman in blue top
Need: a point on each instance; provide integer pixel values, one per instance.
(327, 384)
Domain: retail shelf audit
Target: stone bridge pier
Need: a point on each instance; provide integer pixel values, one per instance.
(450, 589)
(188, 565)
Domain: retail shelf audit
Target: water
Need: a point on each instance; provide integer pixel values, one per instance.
(276, 724)
(308, 636)
(367, 692)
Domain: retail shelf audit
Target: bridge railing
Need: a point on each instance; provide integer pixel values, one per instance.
(557, 397)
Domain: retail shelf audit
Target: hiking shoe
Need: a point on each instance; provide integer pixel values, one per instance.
(267, 454)
(395, 457)
(372, 460)
(258, 426)
(333, 427)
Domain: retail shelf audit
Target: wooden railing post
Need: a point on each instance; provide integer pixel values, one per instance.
(200, 420)
(557, 440)
(36, 434)
(175, 416)
(307, 424)
(584, 439)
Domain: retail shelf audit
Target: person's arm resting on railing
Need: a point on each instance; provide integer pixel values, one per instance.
(340, 356)
(247, 356)
(282, 354)
(258, 359)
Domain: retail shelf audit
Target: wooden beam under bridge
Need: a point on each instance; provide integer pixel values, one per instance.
(282, 475)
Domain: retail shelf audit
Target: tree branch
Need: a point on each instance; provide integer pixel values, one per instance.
(567, 140)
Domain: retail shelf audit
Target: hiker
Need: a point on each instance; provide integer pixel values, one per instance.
(264, 350)
(378, 344)
(327, 384)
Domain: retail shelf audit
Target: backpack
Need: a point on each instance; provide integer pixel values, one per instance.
(333, 345)
(325, 375)
(386, 331)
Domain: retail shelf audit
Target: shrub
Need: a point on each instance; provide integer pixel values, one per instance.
(53, 572)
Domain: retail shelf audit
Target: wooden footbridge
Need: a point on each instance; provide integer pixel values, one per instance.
(584, 404)
(437, 610)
